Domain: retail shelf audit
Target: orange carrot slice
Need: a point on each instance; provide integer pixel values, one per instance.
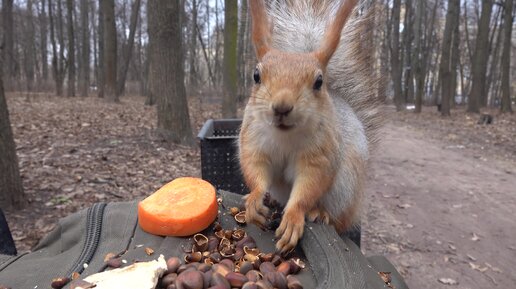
(183, 207)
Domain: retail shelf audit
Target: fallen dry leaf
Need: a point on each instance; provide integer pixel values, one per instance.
(404, 206)
(475, 237)
(448, 281)
(495, 269)
(478, 267)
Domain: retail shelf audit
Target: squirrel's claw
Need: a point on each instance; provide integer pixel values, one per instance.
(255, 211)
(290, 230)
(318, 214)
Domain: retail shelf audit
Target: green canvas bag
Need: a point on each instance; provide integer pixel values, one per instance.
(80, 242)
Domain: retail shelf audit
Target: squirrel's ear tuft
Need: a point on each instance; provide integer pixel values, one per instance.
(332, 36)
(261, 28)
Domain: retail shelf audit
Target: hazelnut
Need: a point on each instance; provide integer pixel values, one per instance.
(190, 280)
(245, 267)
(219, 280)
(172, 265)
(284, 268)
(267, 267)
(293, 283)
(168, 279)
(234, 210)
(236, 279)
(58, 283)
(253, 275)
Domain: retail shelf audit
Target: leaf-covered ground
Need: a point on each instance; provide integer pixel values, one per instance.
(77, 151)
(435, 183)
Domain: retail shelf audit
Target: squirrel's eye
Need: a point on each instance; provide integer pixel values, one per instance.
(318, 82)
(256, 76)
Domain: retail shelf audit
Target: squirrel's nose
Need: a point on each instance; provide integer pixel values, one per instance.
(282, 110)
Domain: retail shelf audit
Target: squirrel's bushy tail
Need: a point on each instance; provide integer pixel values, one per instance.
(299, 26)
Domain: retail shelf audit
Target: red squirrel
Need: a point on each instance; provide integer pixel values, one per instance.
(312, 116)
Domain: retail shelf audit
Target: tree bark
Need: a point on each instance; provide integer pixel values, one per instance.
(229, 102)
(58, 62)
(445, 73)
(110, 49)
(408, 89)
(206, 58)
(11, 189)
(193, 48)
(166, 76)
(454, 57)
(71, 49)
(480, 57)
(242, 33)
(506, 56)
(8, 42)
(495, 41)
(29, 51)
(395, 56)
(100, 67)
(128, 49)
(418, 59)
(43, 41)
(84, 78)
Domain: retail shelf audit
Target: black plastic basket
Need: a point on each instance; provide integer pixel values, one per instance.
(219, 162)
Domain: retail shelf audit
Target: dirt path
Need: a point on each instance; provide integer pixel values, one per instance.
(437, 210)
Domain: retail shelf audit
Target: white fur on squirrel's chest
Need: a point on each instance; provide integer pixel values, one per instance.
(283, 148)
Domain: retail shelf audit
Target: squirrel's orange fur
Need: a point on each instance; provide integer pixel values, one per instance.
(301, 139)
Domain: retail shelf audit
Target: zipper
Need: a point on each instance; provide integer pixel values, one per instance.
(94, 217)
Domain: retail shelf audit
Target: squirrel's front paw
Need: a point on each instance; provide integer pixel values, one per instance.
(318, 214)
(290, 230)
(255, 211)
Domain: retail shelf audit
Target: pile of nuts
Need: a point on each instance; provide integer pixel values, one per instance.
(227, 260)
(230, 259)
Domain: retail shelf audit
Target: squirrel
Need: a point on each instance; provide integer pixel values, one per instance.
(312, 116)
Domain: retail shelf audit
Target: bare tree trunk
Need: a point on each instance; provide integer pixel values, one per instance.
(445, 73)
(71, 49)
(142, 60)
(384, 52)
(110, 55)
(206, 58)
(480, 57)
(193, 48)
(418, 59)
(454, 57)
(466, 32)
(43, 41)
(408, 89)
(216, 65)
(506, 57)
(8, 42)
(495, 42)
(167, 74)
(100, 67)
(242, 33)
(11, 189)
(128, 49)
(84, 77)
(30, 48)
(395, 56)
(230, 59)
(58, 62)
